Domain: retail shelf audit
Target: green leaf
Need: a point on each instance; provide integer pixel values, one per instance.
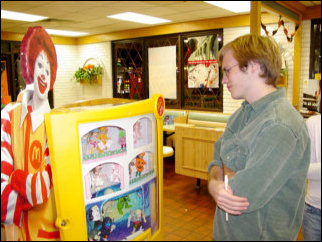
(88, 75)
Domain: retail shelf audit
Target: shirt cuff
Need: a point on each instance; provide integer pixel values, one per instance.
(214, 163)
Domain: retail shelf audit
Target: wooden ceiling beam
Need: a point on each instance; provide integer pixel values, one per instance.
(312, 12)
(295, 6)
(279, 8)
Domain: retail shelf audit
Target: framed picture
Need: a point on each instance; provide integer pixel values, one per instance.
(203, 69)
(202, 88)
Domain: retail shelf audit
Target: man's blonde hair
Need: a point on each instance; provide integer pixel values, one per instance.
(259, 49)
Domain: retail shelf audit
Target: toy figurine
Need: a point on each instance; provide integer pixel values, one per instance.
(137, 135)
(97, 181)
(102, 137)
(107, 208)
(136, 217)
(103, 225)
(115, 176)
(139, 164)
(132, 170)
(95, 216)
(123, 202)
(122, 139)
(27, 200)
(92, 140)
(107, 228)
(94, 235)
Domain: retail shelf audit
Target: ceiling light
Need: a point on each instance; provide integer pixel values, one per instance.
(138, 18)
(65, 32)
(233, 6)
(20, 16)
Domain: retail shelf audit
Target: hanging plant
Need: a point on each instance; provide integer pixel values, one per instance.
(90, 74)
(282, 80)
(283, 72)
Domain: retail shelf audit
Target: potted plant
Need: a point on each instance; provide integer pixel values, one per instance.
(282, 80)
(89, 74)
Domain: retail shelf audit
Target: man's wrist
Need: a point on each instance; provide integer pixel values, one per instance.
(216, 173)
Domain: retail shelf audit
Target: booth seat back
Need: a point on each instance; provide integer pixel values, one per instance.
(209, 117)
(203, 119)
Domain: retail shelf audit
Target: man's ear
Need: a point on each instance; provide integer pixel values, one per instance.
(254, 67)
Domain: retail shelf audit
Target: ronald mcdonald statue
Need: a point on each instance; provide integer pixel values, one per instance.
(27, 196)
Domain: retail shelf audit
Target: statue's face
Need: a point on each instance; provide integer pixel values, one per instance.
(42, 75)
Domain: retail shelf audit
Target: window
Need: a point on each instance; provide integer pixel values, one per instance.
(202, 88)
(129, 79)
(197, 71)
(315, 55)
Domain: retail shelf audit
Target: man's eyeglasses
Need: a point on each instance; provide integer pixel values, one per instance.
(227, 70)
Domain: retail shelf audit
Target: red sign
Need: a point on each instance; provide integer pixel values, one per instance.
(160, 106)
(204, 62)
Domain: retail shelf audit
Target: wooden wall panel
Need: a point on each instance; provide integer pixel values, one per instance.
(195, 149)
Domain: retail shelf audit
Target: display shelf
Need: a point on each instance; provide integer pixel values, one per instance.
(109, 160)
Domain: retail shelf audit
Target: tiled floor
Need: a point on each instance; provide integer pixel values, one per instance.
(188, 212)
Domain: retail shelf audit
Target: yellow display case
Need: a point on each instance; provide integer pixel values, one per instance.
(107, 167)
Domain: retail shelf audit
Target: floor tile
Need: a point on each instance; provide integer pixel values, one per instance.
(188, 211)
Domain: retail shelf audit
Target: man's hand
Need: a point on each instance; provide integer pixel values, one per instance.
(225, 200)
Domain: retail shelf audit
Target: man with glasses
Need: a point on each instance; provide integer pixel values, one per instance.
(264, 151)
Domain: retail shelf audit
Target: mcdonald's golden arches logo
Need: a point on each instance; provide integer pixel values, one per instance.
(35, 154)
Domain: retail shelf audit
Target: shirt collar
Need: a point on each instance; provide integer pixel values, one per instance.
(37, 116)
(261, 103)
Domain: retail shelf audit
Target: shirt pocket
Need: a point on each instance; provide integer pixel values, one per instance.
(233, 152)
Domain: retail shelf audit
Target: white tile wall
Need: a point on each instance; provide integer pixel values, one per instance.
(231, 105)
(70, 57)
(101, 52)
(305, 55)
(65, 89)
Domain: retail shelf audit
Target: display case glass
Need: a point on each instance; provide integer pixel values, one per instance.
(107, 170)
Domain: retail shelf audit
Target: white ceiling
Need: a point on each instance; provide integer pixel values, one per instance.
(90, 16)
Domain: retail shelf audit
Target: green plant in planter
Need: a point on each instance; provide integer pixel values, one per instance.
(89, 73)
(283, 72)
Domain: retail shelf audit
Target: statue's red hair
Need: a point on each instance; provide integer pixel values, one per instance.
(36, 40)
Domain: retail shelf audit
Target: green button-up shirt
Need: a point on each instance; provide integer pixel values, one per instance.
(267, 144)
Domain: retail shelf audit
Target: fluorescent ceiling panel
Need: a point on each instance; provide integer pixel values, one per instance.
(65, 33)
(21, 16)
(138, 18)
(233, 6)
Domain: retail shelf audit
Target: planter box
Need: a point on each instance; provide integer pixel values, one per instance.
(282, 81)
(94, 81)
